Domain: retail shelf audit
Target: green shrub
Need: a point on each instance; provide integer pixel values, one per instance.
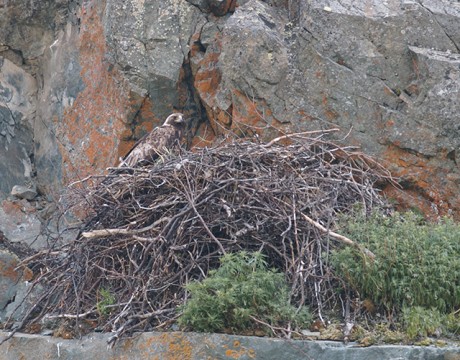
(453, 323)
(241, 289)
(419, 321)
(416, 263)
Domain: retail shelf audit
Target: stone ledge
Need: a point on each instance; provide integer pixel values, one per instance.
(194, 346)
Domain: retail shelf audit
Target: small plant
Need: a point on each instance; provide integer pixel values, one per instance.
(106, 299)
(416, 263)
(240, 296)
(453, 323)
(423, 322)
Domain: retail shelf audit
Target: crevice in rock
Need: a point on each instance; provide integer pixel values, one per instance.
(440, 26)
(451, 155)
(190, 102)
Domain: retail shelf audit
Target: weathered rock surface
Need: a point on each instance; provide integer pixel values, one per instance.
(82, 80)
(13, 285)
(366, 69)
(191, 346)
(19, 223)
(24, 192)
(9, 277)
(18, 92)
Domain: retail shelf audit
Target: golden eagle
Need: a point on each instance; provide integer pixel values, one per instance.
(159, 141)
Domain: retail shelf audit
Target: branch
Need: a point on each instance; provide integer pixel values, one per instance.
(109, 232)
(339, 237)
(287, 136)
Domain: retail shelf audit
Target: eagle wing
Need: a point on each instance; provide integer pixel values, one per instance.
(152, 145)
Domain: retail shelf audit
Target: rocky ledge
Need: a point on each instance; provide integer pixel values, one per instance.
(178, 345)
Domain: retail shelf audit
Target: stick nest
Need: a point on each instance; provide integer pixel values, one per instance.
(151, 230)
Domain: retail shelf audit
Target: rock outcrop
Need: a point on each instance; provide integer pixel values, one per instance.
(194, 346)
(81, 80)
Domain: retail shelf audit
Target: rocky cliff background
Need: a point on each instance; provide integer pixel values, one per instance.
(81, 81)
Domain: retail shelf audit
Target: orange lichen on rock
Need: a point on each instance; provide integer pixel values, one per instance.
(330, 113)
(220, 8)
(90, 129)
(8, 270)
(237, 351)
(172, 345)
(208, 76)
(246, 114)
(204, 136)
(12, 207)
(426, 183)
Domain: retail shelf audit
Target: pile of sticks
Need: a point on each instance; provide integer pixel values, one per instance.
(151, 230)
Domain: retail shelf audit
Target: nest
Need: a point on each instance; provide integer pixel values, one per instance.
(153, 229)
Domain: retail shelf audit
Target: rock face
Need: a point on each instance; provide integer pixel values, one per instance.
(80, 81)
(18, 92)
(9, 277)
(193, 346)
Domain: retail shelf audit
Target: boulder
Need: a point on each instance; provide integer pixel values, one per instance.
(24, 192)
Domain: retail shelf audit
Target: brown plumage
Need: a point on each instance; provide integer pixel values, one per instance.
(159, 141)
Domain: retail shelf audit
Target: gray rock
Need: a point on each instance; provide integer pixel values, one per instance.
(385, 73)
(149, 42)
(9, 278)
(18, 92)
(24, 192)
(61, 69)
(193, 346)
(22, 223)
(21, 302)
(203, 5)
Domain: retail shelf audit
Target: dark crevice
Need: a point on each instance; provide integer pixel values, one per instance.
(190, 102)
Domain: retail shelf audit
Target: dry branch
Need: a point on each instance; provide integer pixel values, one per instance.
(339, 237)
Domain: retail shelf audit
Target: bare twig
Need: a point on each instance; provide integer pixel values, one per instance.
(339, 237)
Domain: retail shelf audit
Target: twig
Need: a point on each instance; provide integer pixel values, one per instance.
(287, 136)
(273, 328)
(339, 237)
(110, 232)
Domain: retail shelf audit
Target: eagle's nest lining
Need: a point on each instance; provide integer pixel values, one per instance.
(153, 229)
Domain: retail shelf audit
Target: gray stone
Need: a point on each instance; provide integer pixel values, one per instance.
(149, 41)
(203, 5)
(20, 303)
(24, 192)
(62, 84)
(9, 278)
(193, 346)
(18, 92)
(22, 223)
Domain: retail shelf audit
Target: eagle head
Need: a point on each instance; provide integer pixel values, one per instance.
(176, 119)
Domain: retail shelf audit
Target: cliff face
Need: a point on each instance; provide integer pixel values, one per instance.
(80, 81)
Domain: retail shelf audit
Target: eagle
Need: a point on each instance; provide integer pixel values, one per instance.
(160, 140)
